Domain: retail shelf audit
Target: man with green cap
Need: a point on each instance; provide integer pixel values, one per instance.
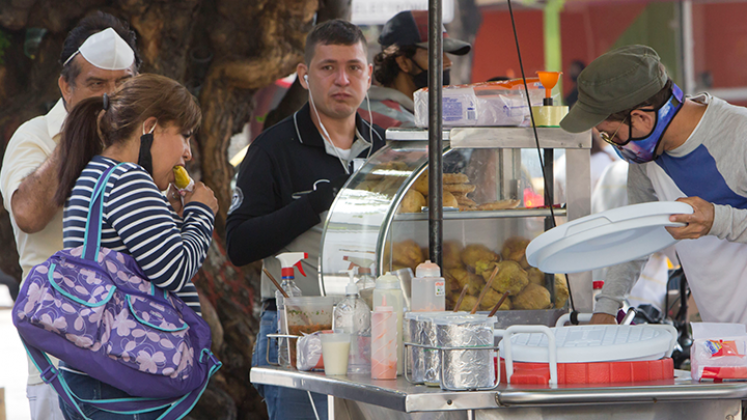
(692, 150)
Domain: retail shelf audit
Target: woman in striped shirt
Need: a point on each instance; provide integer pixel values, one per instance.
(146, 125)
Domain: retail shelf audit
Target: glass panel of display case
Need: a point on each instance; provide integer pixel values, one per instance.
(493, 206)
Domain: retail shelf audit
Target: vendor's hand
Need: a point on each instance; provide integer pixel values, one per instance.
(175, 199)
(202, 194)
(698, 224)
(602, 318)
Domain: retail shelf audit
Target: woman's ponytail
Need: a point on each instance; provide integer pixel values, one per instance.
(79, 143)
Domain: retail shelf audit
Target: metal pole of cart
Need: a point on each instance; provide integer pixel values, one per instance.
(435, 134)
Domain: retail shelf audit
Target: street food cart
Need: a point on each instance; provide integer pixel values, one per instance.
(370, 218)
(379, 225)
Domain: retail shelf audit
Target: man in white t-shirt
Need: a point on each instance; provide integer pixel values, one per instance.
(97, 55)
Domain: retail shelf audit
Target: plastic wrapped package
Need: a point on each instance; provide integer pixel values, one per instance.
(722, 359)
(719, 352)
(309, 352)
(482, 104)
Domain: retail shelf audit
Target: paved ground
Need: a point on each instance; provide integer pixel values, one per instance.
(13, 368)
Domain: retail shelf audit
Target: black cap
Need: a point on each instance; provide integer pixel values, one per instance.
(410, 27)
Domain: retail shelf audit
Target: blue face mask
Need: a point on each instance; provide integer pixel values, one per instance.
(643, 149)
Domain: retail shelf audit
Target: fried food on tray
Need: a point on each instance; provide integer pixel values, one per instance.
(473, 253)
(455, 179)
(412, 202)
(468, 303)
(449, 200)
(421, 184)
(561, 290)
(451, 250)
(536, 276)
(532, 297)
(407, 253)
(511, 278)
(459, 188)
(464, 201)
(484, 268)
(452, 184)
(464, 277)
(453, 288)
(499, 205)
(491, 299)
(515, 249)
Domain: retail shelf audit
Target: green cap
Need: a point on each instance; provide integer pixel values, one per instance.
(614, 82)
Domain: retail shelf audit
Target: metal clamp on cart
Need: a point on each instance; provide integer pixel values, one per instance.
(271, 337)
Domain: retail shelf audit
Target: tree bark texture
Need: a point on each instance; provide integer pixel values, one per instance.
(223, 51)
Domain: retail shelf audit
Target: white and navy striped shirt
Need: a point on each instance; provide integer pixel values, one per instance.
(138, 220)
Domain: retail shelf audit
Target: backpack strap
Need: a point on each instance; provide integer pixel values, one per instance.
(176, 408)
(92, 238)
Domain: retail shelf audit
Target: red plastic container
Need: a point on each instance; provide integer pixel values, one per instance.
(591, 373)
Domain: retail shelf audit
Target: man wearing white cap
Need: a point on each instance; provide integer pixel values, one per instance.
(97, 55)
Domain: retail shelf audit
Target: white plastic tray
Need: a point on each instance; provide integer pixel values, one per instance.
(604, 239)
(596, 343)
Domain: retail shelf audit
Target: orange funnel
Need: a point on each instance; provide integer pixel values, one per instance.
(549, 79)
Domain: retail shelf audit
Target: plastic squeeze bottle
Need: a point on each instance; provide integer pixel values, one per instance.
(388, 290)
(428, 289)
(384, 342)
(287, 261)
(353, 316)
(366, 281)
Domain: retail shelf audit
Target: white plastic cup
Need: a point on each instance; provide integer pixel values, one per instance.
(335, 350)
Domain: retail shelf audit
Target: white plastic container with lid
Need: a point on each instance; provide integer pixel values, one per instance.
(388, 290)
(352, 316)
(384, 342)
(428, 289)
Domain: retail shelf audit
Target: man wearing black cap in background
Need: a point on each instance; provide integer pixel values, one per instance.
(401, 68)
(691, 150)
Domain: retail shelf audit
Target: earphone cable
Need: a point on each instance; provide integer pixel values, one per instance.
(325, 134)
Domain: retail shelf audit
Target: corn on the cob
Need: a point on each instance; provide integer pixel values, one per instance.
(182, 179)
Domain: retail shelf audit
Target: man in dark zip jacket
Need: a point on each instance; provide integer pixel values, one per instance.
(289, 179)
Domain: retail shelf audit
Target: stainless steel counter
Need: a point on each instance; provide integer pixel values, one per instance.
(651, 400)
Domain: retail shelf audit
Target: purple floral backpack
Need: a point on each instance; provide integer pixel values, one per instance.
(94, 309)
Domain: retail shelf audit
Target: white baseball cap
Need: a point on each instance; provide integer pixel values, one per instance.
(106, 50)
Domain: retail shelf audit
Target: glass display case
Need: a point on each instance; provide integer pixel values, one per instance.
(493, 205)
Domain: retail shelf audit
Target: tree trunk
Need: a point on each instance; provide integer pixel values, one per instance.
(223, 51)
